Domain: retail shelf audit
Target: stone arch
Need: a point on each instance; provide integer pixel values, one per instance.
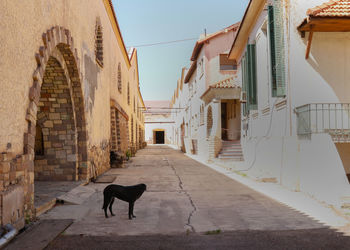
(58, 54)
(209, 120)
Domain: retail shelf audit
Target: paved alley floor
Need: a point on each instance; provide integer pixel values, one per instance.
(187, 204)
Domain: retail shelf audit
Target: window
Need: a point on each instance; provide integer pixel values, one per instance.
(119, 78)
(249, 78)
(99, 43)
(134, 105)
(276, 35)
(128, 94)
(227, 64)
(209, 120)
(202, 114)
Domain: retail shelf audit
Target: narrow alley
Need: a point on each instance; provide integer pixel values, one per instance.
(185, 203)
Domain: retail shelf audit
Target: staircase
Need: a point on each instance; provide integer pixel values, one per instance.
(231, 150)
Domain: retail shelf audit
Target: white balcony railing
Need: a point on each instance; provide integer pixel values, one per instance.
(331, 118)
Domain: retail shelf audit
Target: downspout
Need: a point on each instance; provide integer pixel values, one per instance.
(11, 233)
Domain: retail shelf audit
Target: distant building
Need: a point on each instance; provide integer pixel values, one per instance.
(158, 122)
(207, 97)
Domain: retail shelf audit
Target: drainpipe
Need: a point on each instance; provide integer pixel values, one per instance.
(8, 236)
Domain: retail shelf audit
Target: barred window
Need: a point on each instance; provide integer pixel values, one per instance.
(99, 42)
(128, 94)
(119, 78)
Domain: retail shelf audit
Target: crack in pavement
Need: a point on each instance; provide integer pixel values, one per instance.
(194, 208)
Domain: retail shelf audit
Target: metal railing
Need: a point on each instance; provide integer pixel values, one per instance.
(331, 118)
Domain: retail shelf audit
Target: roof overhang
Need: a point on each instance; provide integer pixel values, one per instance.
(196, 50)
(190, 71)
(113, 19)
(252, 13)
(221, 93)
(325, 24)
(322, 24)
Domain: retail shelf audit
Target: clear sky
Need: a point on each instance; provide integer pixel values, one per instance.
(153, 21)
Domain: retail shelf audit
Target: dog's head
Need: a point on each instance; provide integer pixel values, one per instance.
(144, 187)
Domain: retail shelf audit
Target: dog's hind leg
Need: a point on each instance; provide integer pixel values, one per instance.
(110, 206)
(131, 210)
(106, 201)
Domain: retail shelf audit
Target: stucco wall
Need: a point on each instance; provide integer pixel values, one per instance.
(271, 146)
(29, 29)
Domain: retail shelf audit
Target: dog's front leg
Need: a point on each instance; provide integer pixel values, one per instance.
(110, 207)
(131, 210)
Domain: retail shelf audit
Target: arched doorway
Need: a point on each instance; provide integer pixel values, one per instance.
(56, 154)
(56, 139)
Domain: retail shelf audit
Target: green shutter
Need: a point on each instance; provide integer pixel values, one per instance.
(272, 50)
(252, 76)
(244, 81)
(277, 51)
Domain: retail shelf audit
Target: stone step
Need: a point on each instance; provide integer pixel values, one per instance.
(231, 149)
(231, 158)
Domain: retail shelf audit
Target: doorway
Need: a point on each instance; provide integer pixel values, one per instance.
(224, 134)
(158, 136)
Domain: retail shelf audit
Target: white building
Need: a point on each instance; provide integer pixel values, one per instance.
(293, 61)
(158, 122)
(207, 99)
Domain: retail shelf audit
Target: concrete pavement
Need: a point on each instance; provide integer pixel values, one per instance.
(187, 205)
(182, 196)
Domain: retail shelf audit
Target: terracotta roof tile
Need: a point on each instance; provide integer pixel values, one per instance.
(225, 84)
(333, 8)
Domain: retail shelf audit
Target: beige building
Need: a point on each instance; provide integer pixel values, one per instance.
(69, 95)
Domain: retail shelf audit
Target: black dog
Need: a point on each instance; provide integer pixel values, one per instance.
(125, 193)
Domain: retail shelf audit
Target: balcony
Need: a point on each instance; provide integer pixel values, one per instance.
(331, 118)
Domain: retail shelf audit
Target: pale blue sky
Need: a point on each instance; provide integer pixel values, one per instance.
(152, 21)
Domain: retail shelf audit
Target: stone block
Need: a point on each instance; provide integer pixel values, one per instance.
(48, 124)
(5, 167)
(72, 158)
(54, 116)
(13, 205)
(60, 154)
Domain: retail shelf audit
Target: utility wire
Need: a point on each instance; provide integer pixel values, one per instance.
(161, 43)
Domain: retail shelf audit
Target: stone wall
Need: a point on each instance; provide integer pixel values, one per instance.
(16, 189)
(99, 160)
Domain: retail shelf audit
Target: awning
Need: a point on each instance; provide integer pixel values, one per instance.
(333, 16)
(225, 89)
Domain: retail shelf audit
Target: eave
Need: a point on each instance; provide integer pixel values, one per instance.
(190, 71)
(251, 15)
(115, 26)
(220, 94)
(322, 24)
(325, 24)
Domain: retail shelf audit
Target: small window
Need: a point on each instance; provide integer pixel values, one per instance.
(99, 43)
(227, 64)
(202, 114)
(119, 78)
(128, 94)
(209, 121)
